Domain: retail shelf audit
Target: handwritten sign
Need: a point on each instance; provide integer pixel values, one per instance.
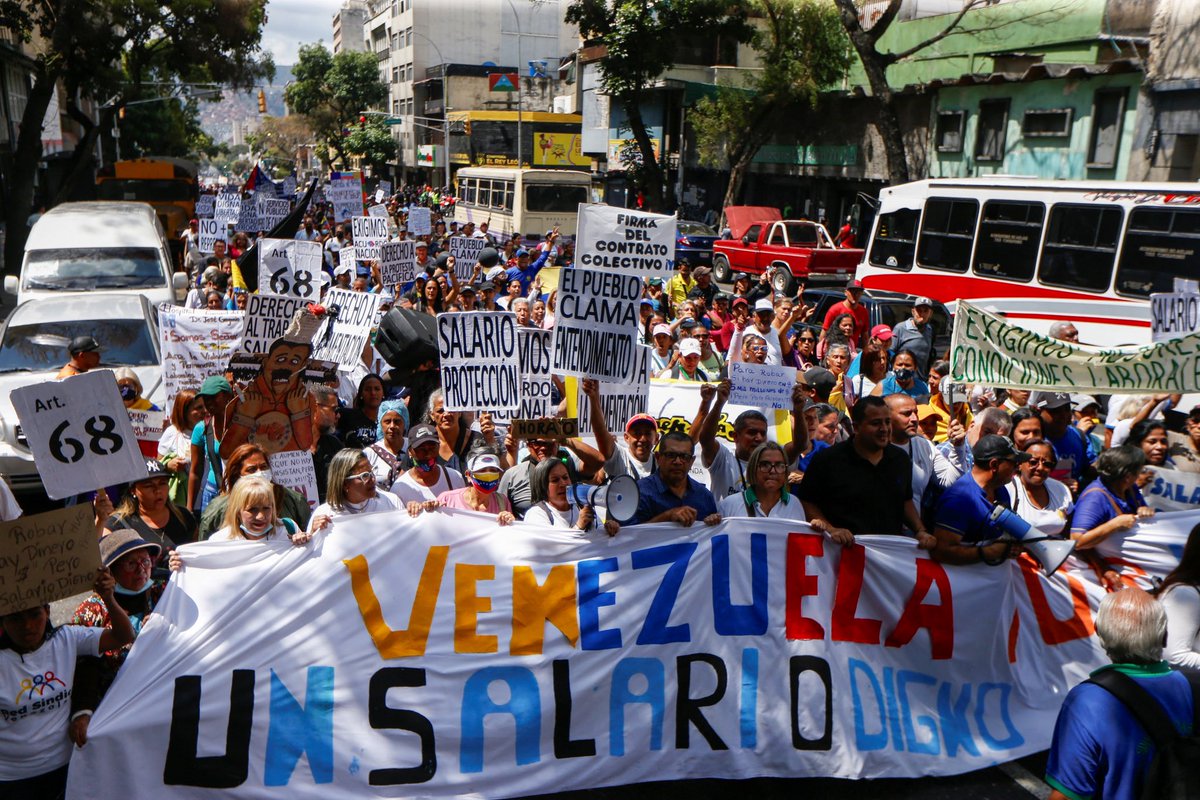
(295, 470)
(624, 240)
(557, 428)
(378, 210)
(761, 385)
(210, 231)
(345, 193)
(596, 331)
(271, 212)
(397, 262)
(148, 427)
(342, 340)
(420, 221)
(227, 209)
(195, 343)
(479, 361)
(205, 205)
(79, 433)
(290, 267)
(47, 557)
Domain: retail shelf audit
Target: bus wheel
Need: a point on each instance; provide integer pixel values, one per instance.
(782, 281)
(721, 271)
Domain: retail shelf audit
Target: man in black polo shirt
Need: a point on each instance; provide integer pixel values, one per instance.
(862, 486)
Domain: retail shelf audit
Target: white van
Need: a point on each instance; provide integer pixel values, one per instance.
(98, 247)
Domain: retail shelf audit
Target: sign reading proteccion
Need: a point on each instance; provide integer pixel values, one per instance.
(479, 360)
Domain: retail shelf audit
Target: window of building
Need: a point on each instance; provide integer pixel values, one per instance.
(1081, 245)
(947, 233)
(396, 107)
(1108, 113)
(949, 132)
(990, 134)
(408, 36)
(395, 74)
(1161, 245)
(395, 41)
(1009, 237)
(895, 239)
(1046, 122)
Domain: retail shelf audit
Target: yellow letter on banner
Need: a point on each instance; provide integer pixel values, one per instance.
(467, 605)
(406, 642)
(534, 604)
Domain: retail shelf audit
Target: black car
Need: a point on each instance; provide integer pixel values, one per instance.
(885, 308)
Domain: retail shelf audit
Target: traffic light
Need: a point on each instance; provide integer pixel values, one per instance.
(262, 102)
(121, 112)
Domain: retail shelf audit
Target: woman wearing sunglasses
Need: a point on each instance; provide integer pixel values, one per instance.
(804, 345)
(767, 494)
(351, 490)
(1040, 500)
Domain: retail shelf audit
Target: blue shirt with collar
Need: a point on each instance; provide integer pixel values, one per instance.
(964, 509)
(526, 276)
(655, 498)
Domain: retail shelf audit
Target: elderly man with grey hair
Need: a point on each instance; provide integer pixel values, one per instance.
(1065, 332)
(1100, 746)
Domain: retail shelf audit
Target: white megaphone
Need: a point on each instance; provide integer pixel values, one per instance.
(619, 496)
(1050, 553)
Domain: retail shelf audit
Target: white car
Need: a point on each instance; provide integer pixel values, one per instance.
(33, 348)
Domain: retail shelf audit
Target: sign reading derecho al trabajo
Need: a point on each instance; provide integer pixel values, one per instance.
(595, 332)
(987, 350)
(351, 329)
(479, 360)
(624, 240)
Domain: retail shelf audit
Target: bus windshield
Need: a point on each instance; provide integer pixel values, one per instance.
(554, 197)
(84, 269)
(148, 190)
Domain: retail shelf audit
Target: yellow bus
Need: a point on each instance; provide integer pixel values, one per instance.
(521, 202)
(169, 185)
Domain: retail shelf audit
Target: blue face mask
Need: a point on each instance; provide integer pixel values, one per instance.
(904, 374)
(425, 466)
(119, 589)
(128, 392)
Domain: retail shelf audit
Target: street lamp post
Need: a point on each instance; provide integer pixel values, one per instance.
(445, 107)
(520, 104)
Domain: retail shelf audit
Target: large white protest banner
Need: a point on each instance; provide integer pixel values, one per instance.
(227, 209)
(79, 433)
(624, 240)
(210, 231)
(195, 343)
(595, 332)
(346, 195)
(1145, 553)
(420, 221)
(295, 470)
(535, 346)
(46, 557)
(761, 385)
(342, 340)
(480, 361)
(445, 656)
(271, 212)
(397, 262)
(466, 250)
(987, 350)
(290, 267)
(206, 205)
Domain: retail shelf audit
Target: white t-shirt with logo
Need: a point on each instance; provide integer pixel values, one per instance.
(35, 702)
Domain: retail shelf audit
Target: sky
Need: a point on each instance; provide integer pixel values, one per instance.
(291, 23)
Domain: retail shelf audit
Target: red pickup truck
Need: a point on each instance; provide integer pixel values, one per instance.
(789, 249)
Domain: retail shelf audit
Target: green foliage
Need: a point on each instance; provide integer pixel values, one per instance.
(372, 140)
(169, 128)
(330, 92)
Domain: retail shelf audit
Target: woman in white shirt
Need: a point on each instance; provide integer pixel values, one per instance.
(251, 516)
(767, 494)
(351, 490)
(1040, 500)
(549, 481)
(1180, 596)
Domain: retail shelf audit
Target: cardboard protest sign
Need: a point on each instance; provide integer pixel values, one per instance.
(378, 210)
(248, 219)
(761, 385)
(986, 349)
(195, 343)
(206, 204)
(557, 428)
(465, 250)
(227, 209)
(47, 557)
(346, 195)
(210, 231)
(479, 361)
(290, 267)
(536, 346)
(79, 433)
(271, 212)
(342, 339)
(621, 400)
(624, 240)
(385, 187)
(295, 470)
(369, 234)
(596, 330)
(347, 260)
(397, 262)
(1173, 314)
(148, 427)
(267, 319)
(420, 221)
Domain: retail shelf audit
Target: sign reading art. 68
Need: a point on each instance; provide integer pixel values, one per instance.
(79, 433)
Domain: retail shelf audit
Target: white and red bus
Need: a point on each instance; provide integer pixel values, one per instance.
(1039, 251)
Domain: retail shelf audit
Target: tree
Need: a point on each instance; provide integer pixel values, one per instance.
(372, 141)
(169, 128)
(640, 39)
(332, 92)
(278, 138)
(112, 51)
(802, 48)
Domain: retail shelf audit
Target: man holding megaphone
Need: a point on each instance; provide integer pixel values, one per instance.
(963, 518)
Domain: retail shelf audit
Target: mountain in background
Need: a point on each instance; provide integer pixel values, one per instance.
(218, 119)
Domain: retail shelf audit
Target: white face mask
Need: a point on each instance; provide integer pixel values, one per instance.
(262, 474)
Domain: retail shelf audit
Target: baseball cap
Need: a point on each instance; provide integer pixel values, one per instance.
(751, 333)
(662, 327)
(495, 272)
(420, 434)
(689, 347)
(655, 281)
(470, 287)
(636, 418)
(719, 296)
(154, 470)
(214, 385)
(763, 304)
(701, 271)
(881, 332)
(484, 462)
(740, 301)
(1049, 400)
(922, 301)
(687, 322)
(819, 378)
(421, 244)
(925, 411)
(83, 344)
(1081, 401)
(522, 252)
(854, 285)
(120, 542)
(646, 301)
(739, 276)
(996, 446)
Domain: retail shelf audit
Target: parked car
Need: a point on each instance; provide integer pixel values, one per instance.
(694, 241)
(33, 347)
(98, 247)
(786, 249)
(885, 308)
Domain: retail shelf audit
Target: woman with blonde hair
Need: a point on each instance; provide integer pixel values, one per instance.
(251, 516)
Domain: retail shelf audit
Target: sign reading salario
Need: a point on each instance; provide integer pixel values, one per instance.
(479, 361)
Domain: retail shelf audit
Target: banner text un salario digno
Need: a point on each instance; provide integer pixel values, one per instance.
(988, 350)
(445, 656)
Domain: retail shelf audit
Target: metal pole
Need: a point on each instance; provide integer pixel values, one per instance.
(517, 19)
(445, 107)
